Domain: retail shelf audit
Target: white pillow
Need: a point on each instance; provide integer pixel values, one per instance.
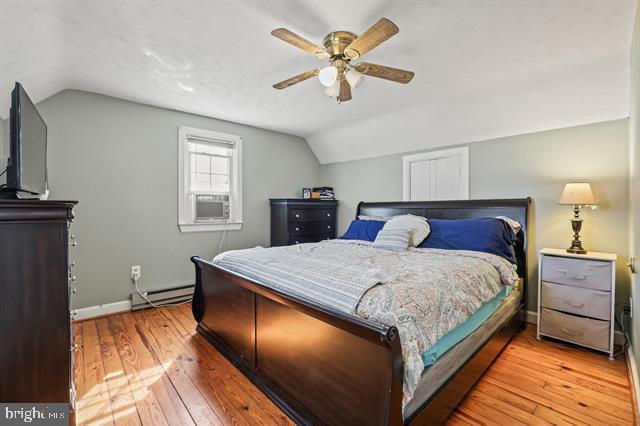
(392, 239)
(514, 224)
(416, 224)
(380, 218)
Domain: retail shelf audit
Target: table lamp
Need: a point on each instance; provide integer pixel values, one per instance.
(578, 195)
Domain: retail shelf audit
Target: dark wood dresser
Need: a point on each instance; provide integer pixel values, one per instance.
(36, 353)
(295, 221)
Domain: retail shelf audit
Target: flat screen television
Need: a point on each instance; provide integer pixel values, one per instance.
(27, 165)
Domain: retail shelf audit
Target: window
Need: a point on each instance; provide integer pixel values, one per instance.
(209, 180)
(436, 175)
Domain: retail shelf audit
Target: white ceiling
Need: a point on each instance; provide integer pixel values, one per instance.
(483, 69)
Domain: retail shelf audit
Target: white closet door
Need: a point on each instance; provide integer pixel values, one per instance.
(440, 175)
(421, 180)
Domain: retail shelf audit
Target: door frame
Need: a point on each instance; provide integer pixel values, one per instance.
(463, 152)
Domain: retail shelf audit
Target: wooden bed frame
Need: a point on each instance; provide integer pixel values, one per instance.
(322, 366)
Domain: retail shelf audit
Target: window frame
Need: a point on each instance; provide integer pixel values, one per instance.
(186, 221)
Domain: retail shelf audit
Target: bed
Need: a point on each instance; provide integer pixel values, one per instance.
(321, 365)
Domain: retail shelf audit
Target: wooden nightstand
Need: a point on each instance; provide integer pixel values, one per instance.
(576, 297)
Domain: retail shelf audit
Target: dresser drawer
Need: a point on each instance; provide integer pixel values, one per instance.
(576, 300)
(311, 215)
(583, 331)
(592, 274)
(309, 238)
(302, 228)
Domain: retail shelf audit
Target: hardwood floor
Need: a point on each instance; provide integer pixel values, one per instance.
(150, 367)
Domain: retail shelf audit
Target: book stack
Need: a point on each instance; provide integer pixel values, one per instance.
(323, 193)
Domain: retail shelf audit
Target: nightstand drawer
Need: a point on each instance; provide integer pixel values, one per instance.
(576, 300)
(583, 331)
(577, 272)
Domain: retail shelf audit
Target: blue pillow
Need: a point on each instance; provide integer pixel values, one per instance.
(488, 235)
(366, 230)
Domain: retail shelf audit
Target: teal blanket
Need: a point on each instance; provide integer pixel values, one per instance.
(471, 324)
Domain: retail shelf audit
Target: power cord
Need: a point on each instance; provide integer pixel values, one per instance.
(620, 323)
(144, 296)
(5, 171)
(224, 233)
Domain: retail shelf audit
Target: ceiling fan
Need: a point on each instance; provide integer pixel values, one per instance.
(340, 48)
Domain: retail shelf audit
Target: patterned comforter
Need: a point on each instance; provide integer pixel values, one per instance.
(424, 293)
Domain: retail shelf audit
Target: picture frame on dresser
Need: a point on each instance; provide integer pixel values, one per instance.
(576, 298)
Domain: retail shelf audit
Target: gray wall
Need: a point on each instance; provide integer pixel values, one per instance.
(634, 179)
(536, 165)
(119, 159)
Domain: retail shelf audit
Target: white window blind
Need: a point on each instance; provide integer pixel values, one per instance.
(210, 164)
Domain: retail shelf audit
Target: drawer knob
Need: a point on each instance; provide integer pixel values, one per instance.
(297, 242)
(74, 290)
(72, 278)
(75, 347)
(297, 215)
(328, 226)
(571, 332)
(72, 264)
(73, 244)
(297, 229)
(328, 214)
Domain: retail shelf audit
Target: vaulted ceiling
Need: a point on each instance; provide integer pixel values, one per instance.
(483, 69)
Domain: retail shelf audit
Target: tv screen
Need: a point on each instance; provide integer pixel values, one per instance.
(27, 168)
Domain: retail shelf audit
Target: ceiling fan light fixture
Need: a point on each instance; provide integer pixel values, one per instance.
(354, 78)
(328, 75)
(333, 90)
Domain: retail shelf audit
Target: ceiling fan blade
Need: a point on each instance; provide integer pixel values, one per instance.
(297, 79)
(300, 42)
(388, 73)
(345, 91)
(382, 30)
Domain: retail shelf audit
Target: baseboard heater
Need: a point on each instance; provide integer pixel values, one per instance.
(162, 297)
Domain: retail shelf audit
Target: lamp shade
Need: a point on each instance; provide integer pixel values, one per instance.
(577, 194)
(328, 75)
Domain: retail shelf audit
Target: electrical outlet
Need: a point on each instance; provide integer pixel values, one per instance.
(136, 272)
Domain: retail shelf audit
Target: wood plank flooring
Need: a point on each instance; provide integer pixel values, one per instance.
(150, 367)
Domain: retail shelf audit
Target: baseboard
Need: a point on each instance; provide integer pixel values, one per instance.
(632, 368)
(532, 318)
(102, 310)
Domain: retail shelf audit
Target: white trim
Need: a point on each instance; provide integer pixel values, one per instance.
(185, 221)
(101, 310)
(463, 152)
(210, 227)
(635, 382)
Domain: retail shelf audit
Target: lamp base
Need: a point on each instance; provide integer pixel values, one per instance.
(576, 225)
(576, 250)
